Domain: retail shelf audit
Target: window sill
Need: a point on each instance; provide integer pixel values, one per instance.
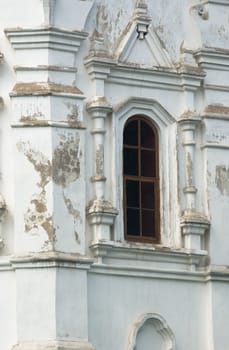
(143, 256)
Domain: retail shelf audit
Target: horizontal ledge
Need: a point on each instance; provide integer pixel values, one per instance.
(48, 123)
(159, 274)
(19, 32)
(215, 145)
(54, 345)
(39, 259)
(46, 68)
(147, 257)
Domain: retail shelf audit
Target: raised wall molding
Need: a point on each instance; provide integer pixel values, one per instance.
(212, 58)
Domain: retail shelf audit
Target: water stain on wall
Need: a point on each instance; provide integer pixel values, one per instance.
(66, 160)
(222, 179)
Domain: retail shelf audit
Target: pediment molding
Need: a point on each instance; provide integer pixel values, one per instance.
(139, 42)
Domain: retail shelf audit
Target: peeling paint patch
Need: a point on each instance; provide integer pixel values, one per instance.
(40, 162)
(66, 160)
(33, 116)
(37, 215)
(45, 88)
(107, 23)
(222, 179)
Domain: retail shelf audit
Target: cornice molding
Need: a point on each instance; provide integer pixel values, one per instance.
(109, 69)
(51, 259)
(212, 58)
(45, 38)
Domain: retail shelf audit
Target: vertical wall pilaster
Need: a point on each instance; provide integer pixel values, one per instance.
(193, 224)
(100, 211)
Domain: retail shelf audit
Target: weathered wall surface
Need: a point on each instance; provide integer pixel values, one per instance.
(72, 72)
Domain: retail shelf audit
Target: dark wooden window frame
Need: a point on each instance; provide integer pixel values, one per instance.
(155, 238)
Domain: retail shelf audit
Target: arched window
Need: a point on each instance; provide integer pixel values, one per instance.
(141, 181)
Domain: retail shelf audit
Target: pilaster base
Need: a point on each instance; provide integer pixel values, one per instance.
(53, 345)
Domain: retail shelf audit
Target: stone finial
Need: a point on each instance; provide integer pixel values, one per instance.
(141, 6)
(142, 18)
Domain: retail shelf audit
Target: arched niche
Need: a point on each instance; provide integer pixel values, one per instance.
(151, 332)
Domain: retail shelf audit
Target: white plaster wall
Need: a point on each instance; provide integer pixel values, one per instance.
(119, 301)
(36, 301)
(8, 317)
(54, 303)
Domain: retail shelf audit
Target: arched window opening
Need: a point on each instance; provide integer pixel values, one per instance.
(141, 181)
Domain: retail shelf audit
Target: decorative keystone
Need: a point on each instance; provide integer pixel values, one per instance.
(99, 103)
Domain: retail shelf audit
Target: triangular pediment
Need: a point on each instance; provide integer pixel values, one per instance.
(140, 43)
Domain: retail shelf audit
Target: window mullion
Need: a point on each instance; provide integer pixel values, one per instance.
(139, 173)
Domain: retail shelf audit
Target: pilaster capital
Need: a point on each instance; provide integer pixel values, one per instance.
(100, 208)
(99, 104)
(193, 225)
(188, 120)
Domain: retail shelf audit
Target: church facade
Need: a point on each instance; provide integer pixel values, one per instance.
(114, 186)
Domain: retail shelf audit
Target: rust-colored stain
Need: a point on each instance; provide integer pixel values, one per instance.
(44, 88)
(222, 179)
(66, 160)
(217, 109)
(34, 116)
